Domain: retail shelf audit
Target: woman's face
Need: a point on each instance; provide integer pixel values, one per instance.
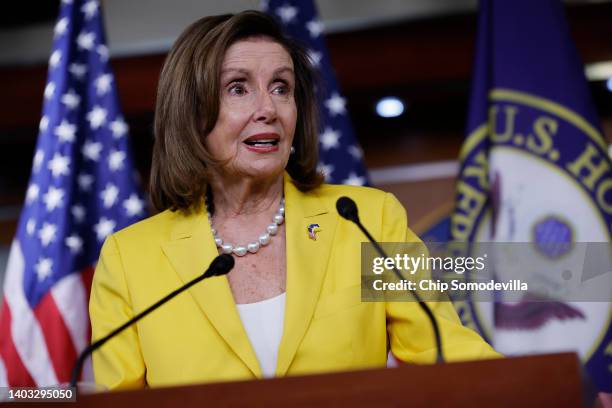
(257, 112)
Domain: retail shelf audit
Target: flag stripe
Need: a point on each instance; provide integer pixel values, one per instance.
(71, 299)
(25, 331)
(14, 370)
(87, 277)
(57, 337)
(3, 379)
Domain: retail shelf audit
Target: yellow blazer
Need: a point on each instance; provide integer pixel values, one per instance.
(199, 337)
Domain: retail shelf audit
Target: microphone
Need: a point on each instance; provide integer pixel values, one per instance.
(221, 265)
(348, 209)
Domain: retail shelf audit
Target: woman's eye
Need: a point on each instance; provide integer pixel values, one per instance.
(281, 90)
(237, 89)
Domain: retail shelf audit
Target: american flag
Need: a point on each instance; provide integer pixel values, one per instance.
(82, 187)
(341, 158)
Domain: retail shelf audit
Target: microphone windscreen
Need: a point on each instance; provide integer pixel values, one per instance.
(347, 209)
(222, 264)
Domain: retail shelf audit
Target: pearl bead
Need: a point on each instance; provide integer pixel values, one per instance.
(253, 247)
(240, 250)
(272, 229)
(264, 239)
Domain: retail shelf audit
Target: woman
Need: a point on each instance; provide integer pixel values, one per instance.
(234, 170)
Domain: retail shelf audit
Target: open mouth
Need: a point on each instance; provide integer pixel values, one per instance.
(262, 142)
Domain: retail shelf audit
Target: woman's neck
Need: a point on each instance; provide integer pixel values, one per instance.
(245, 196)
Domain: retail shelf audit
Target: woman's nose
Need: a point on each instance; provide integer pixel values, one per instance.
(265, 110)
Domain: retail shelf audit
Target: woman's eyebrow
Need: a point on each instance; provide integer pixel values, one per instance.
(242, 71)
(283, 69)
(246, 72)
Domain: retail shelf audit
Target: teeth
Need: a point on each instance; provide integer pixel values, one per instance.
(261, 142)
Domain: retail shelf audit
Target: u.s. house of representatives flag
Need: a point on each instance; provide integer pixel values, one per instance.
(535, 168)
(340, 155)
(82, 187)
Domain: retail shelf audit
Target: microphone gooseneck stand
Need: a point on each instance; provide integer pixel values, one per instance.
(348, 209)
(221, 265)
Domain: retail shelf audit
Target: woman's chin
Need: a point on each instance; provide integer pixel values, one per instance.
(267, 172)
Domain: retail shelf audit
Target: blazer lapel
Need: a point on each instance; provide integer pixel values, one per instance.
(190, 251)
(307, 261)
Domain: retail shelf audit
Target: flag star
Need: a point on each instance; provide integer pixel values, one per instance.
(315, 57)
(103, 84)
(55, 58)
(354, 180)
(71, 99)
(326, 169)
(49, 90)
(91, 150)
(315, 28)
(78, 70)
(287, 13)
(90, 8)
(329, 138)
(75, 243)
(104, 227)
(47, 234)
(53, 198)
(32, 193)
(59, 165)
(85, 181)
(102, 50)
(119, 128)
(31, 226)
(96, 117)
(65, 131)
(109, 195)
(133, 205)
(336, 104)
(356, 152)
(61, 26)
(44, 123)
(115, 159)
(78, 212)
(43, 268)
(86, 40)
(39, 156)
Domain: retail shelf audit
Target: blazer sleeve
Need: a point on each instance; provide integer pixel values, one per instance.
(119, 362)
(409, 332)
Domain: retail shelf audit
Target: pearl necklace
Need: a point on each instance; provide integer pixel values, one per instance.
(252, 247)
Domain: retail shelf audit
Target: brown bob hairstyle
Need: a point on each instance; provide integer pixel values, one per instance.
(187, 108)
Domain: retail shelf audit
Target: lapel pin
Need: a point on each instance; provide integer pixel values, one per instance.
(312, 231)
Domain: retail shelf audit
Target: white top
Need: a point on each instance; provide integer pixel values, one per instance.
(263, 323)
